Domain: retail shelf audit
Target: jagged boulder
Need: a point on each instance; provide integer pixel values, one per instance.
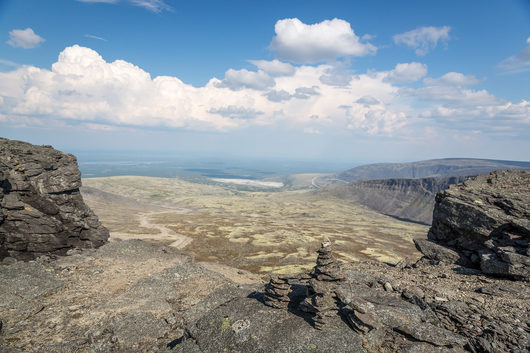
(41, 208)
(487, 221)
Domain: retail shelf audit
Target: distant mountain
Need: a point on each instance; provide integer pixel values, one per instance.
(408, 199)
(407, 190)
(431, 168)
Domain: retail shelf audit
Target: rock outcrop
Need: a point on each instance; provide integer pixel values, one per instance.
(41, 209)
(486, 221)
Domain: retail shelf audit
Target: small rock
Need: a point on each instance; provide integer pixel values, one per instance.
(436, 252)
(240, 325)
(388, 287)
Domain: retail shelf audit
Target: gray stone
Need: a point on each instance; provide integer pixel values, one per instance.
(41, 208)
(436, 252)
(486, 219)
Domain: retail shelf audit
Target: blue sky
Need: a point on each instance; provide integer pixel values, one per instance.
(334, 80)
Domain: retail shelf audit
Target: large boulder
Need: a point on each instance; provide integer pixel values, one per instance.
(41, 208)
(487, 220)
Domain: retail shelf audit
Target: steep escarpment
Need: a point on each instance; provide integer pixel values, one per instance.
(429, 168)
(410, 199)
(41, 208)
(486, 223)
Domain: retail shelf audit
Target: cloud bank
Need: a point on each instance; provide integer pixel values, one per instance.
(83, 88)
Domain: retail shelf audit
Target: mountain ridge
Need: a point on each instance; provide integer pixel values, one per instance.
(428, 168)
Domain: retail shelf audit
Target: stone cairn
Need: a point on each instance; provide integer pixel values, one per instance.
(277, 292)
(322, 287)
(326, 277)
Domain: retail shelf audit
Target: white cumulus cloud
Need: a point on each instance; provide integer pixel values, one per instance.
(311, 43)
(423, 39)
(406, 73)
(24, 38)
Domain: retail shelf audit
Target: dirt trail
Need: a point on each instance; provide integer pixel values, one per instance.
(164, 233)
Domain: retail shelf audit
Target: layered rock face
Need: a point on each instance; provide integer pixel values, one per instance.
(486, 221)
(41, 208)
(410, 199)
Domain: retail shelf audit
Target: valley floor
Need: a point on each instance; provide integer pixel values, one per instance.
(253, 230)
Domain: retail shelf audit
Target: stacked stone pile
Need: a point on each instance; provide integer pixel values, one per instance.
(327, 276)
(277, 292)
(327, 268)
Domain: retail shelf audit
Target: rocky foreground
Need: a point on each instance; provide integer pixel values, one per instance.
(135, 296)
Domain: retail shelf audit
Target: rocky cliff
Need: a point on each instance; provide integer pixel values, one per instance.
(41, 208)
(409, 199)
(485, 222)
